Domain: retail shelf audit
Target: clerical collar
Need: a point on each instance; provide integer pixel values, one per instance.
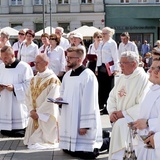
(13, 65)
(78, 71)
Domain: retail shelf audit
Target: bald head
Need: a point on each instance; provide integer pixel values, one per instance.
(41, 62)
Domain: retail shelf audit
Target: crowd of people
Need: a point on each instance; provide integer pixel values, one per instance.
(105, 79)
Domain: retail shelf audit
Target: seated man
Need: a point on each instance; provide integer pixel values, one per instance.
(124, 101)
(42, 130)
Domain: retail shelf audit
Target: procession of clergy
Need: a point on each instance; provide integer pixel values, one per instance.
(62, 70)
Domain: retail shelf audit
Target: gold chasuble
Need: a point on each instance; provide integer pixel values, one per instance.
(36, 90)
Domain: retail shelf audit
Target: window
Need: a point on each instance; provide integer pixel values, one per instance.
(86, 1)
(13, 25)
(86, 23)
(38, 26)
(65, 26)
(142, 1)
(157, 1)
(124, 1)
(38, 2)
(63, 1)
(16, 2)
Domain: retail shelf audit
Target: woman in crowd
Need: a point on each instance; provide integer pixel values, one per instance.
(71, 39)
(56, 56)
(157, 48)
(93, 51)
(29, 50)
(45, 42)
(106, 54)
(78, 42)
(16, 45)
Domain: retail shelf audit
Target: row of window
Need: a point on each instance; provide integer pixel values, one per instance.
(65, 25)
(139, 1)
(40, 2)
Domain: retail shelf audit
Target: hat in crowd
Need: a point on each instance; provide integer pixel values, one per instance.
(78, 35)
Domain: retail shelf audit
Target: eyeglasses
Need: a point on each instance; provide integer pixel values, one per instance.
(156, 69)
(104, 33)
(52, 38)
(21, 34)
(69, 58)
(99, 37)
(38, 62)
(123, 63)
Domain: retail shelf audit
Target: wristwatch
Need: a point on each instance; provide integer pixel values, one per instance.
(147, 123)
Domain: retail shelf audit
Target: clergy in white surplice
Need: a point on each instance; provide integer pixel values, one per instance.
(124, 102)
(14, 81)
(42, 130)
(148, 118)
(80, 124)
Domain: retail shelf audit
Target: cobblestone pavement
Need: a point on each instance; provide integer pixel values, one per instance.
(14, 149)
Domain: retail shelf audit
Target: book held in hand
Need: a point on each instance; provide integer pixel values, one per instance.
(110, 68)
(56, 101)
(91, 57)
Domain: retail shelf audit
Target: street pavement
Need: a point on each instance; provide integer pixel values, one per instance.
(14, 149)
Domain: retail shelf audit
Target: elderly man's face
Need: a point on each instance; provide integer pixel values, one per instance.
(58, 32)
(127, 66)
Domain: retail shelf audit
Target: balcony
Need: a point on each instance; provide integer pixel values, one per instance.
(38, 8)
(63, 8)
(17, 9)
(87, 8)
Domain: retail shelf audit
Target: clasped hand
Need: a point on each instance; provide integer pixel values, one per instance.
(33, 114)
(150, 139)
(116, 115)
(140, 124)
(7, 87)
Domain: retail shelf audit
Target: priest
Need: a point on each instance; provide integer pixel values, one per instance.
(124, 102)
(42, 130)
(15, 76)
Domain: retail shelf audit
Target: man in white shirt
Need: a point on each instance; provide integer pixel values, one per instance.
(126, 44)
(64, 43)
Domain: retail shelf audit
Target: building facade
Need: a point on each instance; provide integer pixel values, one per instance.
(141, 18)
(69, 14)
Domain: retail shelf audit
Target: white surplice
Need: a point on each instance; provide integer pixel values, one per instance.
(13, 110)
(46, 135)
(126, 96)
(157, 140)
(150, 109)
(81, 92)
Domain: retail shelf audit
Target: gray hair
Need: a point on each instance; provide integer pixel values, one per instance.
(109, 30)
(131, 56)
(60, 28)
